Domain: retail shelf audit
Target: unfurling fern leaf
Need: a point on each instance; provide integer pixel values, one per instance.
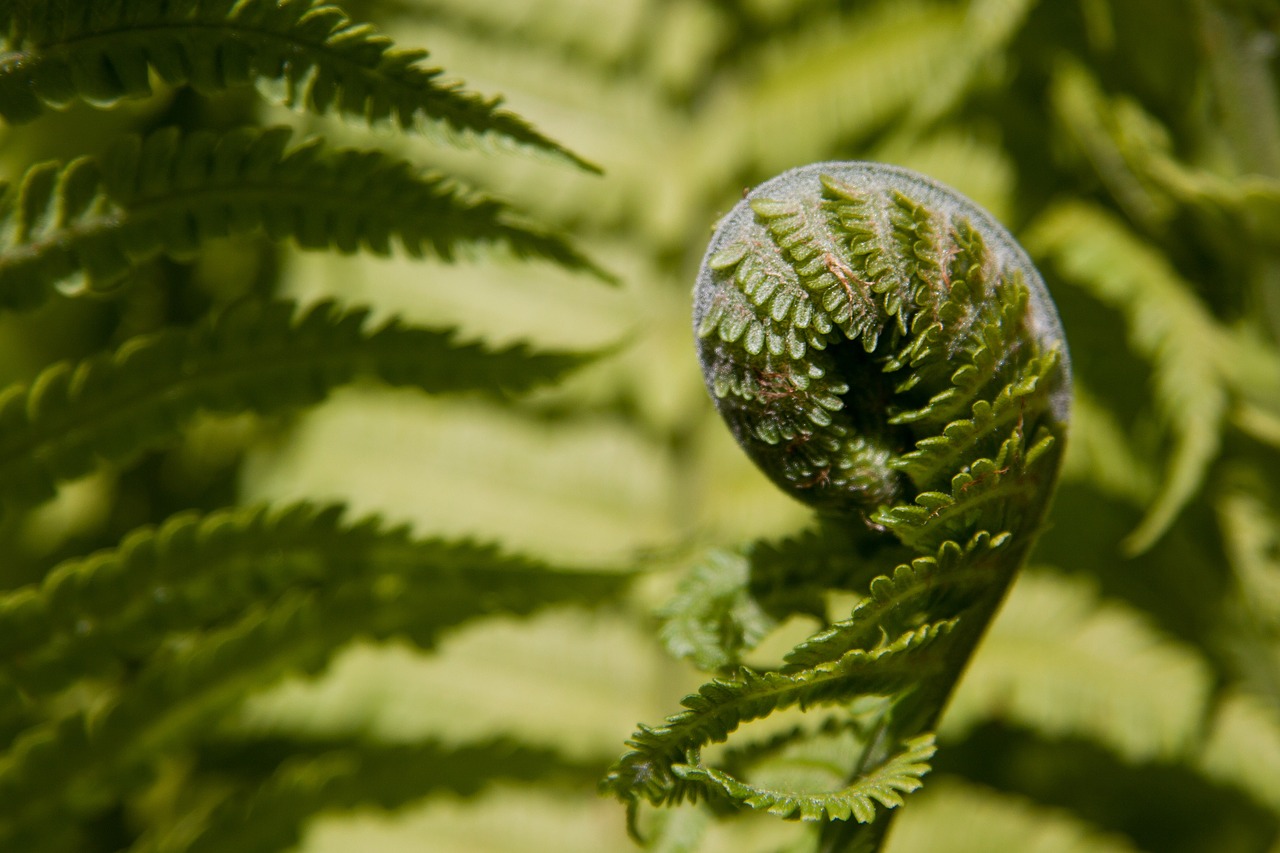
(308, 53)
(884, 784)
(85, 225)
(255, 357)
(886, 353)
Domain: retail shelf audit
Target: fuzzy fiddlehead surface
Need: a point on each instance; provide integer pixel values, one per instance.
(886, 353)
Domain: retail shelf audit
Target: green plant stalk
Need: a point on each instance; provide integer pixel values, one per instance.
(923, 709)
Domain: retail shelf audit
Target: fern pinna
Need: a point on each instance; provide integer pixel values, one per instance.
(125, 659)
(885, 352)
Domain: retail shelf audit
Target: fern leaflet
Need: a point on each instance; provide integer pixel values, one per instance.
(308, 585)
(884, 784)
(86, 225)
(271, 809)
(254, 357)
(306, 53)
(650, 769)
(1061, 662)
(1167, 325)
(93, 616)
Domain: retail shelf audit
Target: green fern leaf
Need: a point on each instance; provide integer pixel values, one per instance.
(793, 575)
(299, 585)
(955, 817)
(254, 357)
(307, 54)
(989, 26)
(713, 617)
(1243, 748)
(1062, 663)
(894, 52)
(85, 226)
(1101, 455)
(1251, 533)
(1167, 325)
(980, 434)
(937, 585)
(884, 784)
(91, 617)
(989, 494)
(720, 707)
(283, 783)
(1132, 153)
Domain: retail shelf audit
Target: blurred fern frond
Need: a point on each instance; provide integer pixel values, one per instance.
(1167, 325)
(310, 54)
(256, 357)
(203, 608)
(86, 225)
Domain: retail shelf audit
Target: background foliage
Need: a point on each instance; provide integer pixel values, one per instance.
(225, 676)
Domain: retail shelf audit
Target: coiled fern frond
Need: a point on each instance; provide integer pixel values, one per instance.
(886, 353)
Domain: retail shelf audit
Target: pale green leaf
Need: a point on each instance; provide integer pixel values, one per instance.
(1063, 663)
(1168, 326)
(955, 817)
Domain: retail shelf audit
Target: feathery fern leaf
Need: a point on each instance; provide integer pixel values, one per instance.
(1062, 663)
(1096, 124)
(979, 434)
(954, 817)
(720, 707)
(1100, 453)
(1167, 325)
(1131, 151)
(895, 53)
(1243, 748)
(714, 618)
(1251, 534)
(927, 584)
(285, 619)
(95, 616)
(308, 54)
(792, 576)
(884, 784)
(254, 357)
(988, 28)
(990, 494)
(269, 814)
(86, 225)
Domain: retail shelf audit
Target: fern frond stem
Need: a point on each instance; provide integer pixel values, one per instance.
(922, 707)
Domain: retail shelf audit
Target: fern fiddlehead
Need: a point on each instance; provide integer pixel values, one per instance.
(886, 353)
